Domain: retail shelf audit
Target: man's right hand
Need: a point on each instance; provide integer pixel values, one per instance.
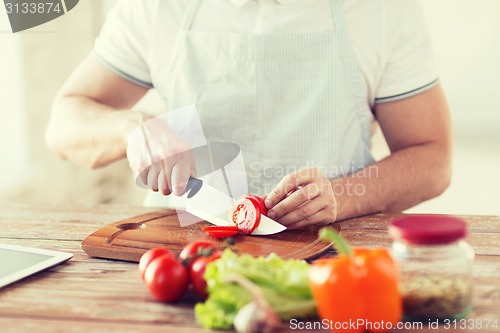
(159, 158)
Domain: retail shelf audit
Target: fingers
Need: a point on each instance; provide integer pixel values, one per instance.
(168, 178)
(180, 176)
(160, 163)
(303, 212)
(158, 157)
(163, 183)
(287, 185)
(153, 175)
(326, 215)
(294, 200)
(302, 198)
(143, 177)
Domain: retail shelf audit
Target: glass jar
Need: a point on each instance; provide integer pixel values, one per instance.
(435, 266)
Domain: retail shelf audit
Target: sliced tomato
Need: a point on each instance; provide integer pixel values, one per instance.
(246, 215)
(260, 202)
(221, 231)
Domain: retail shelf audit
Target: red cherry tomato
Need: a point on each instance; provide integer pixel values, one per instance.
(221, 231)
(150, 255)
(246, 215)
(166, 278)
(193, 250)
(198, 270)
(260, 201)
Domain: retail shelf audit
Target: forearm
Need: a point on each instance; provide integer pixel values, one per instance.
(89, 133)
(91, 116)
(400, 181)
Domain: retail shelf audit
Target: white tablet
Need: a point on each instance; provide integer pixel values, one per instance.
(18, 262)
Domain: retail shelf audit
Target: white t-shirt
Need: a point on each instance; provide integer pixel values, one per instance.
(389, 37)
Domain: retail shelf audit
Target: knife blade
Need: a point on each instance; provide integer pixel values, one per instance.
(214, 206)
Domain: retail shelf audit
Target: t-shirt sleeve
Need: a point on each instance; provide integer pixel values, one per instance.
(410, 67)
(123, 44)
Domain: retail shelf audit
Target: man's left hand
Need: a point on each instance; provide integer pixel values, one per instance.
(302, 198)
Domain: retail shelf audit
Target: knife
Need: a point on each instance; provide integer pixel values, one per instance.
(214, 206)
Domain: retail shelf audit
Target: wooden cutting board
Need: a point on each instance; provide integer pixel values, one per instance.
(130, 238)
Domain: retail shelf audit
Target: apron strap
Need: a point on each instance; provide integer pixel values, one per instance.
(338, 15)
(188, 18)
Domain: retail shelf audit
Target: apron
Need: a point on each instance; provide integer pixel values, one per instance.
(289, 101)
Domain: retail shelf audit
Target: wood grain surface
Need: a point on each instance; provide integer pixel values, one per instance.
(128, 239)
(98, 295)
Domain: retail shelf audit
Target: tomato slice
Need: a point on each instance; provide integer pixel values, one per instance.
(221, 231)
(246, 215)
(260, 202)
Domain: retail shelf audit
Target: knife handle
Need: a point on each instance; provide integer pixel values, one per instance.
(193, 186)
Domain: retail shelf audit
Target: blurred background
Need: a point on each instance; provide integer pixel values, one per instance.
(34, 64)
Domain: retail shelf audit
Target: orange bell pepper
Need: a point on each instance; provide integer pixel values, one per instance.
(356, 291)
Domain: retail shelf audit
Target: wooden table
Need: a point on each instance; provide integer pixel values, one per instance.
(96, 295)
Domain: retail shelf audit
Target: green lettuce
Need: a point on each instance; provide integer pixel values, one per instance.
(283, 282)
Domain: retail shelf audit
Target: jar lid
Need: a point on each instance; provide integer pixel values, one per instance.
(428, 229)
